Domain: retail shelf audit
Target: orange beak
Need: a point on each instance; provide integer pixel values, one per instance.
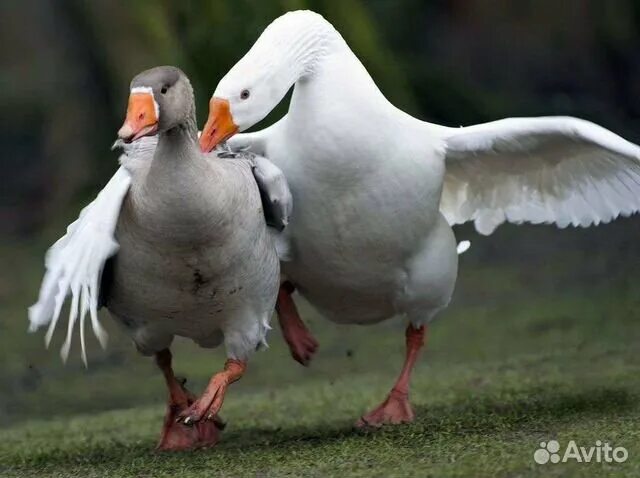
(141, 118)
(219, 126)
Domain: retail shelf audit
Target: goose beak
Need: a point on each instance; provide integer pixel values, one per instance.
(141, 119)
(219, 126)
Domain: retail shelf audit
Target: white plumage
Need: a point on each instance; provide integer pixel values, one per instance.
(74, 265)
(376, 190)
(367, 178)
(558, 170)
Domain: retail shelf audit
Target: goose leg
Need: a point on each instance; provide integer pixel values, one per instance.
(396, 408)
(176, 436)
(301, 343)
(206, 408)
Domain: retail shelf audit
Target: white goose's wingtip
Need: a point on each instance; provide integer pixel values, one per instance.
(463, 246)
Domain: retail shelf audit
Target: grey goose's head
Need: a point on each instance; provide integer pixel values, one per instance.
(160, 99)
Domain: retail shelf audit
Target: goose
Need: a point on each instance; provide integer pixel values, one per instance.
(194, 255)
(376, 190)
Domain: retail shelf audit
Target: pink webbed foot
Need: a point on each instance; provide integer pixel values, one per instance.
(302, 344)
(394, 410)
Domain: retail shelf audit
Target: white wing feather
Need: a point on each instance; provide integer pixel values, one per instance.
(74, 266)
(540, 170)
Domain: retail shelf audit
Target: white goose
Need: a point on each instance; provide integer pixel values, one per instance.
(376, 191)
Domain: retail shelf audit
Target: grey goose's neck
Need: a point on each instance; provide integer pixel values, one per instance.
(178, 193)
(178, 166)
(178, 143)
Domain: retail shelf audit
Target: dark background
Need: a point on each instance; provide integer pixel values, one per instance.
(67, 64)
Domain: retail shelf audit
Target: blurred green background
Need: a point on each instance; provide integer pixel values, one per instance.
(67, 64)
(66, 67)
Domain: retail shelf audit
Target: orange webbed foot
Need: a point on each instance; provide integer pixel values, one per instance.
(206, 408)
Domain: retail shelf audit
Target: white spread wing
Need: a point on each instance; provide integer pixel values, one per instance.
(558, 170)
(74, 265)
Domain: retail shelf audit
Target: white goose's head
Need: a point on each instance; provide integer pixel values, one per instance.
(288, 49)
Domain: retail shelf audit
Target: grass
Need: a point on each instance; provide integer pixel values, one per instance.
(523, 355)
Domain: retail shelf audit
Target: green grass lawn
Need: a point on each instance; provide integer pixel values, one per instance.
(523, 355)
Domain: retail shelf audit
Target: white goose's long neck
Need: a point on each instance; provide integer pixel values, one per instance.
(303, 50)
(335, 99)
(337, 75)
(289, 50)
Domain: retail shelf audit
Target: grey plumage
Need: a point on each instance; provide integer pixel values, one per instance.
(195, 258)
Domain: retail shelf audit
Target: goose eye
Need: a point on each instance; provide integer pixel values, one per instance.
(244, 94)
(164, 89)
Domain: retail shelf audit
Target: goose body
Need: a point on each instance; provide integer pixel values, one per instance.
(195, 256)
(376, 190)
(366, 219)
